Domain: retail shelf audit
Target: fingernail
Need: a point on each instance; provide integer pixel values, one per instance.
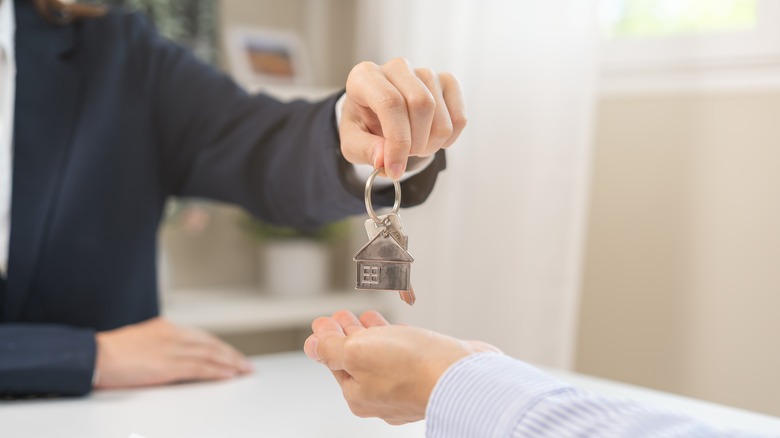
(245, 366)
(375, 158)
(397, 170)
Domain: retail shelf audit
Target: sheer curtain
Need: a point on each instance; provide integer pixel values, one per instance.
(498, 247)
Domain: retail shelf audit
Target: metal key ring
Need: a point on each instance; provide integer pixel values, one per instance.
(367, 194)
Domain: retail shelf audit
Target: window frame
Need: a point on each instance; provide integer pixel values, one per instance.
(740, 58)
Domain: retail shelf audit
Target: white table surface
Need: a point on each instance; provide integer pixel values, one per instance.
(287, 396)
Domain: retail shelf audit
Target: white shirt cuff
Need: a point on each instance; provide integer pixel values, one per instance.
(485, 394)
(340, 109)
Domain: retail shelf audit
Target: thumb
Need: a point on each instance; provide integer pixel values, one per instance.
(329, 349)
(362, 147)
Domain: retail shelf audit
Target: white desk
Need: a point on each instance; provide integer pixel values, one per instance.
(288, 397)
(720, 416)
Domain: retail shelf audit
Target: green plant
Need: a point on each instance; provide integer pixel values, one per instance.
(192, 23)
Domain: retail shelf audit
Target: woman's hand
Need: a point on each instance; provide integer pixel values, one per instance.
(385, 371)
(394, 111)
(157, 352)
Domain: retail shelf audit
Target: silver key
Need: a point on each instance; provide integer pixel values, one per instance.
(396, 230)
(391, 223)
(384, 263)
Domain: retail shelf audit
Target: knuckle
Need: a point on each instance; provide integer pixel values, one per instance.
(459, 120)
(391, 101)
(358, 74)
(421, 102)
(448, 78)
(425, 74)
(364, 66)
(442, 131)
(399, 62)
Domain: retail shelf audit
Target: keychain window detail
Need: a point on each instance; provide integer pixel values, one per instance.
(371, 274)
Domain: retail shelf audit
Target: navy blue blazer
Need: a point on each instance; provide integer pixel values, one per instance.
(110, 121)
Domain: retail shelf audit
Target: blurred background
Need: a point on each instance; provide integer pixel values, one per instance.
(612, 208)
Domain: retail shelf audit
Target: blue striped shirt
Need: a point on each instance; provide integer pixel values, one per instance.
(492, 395)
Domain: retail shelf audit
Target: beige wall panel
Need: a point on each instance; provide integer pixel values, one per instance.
(682, 273)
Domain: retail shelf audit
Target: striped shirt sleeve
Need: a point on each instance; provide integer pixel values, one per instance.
(492, 395)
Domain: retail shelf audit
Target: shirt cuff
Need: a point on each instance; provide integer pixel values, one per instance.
(340, 109)
(486, 395)
(414, 166)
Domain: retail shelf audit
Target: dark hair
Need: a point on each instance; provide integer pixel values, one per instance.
(61, 13)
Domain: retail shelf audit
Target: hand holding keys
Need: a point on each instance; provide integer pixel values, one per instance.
(384, 263)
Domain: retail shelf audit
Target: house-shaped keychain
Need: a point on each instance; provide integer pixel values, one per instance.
(383, 264)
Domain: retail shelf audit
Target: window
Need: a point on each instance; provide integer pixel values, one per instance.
(689, 44)
(659, 18)
(370, 274)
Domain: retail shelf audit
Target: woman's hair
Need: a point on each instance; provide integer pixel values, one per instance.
(61, 13)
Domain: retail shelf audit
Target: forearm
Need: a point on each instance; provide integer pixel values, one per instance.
(281, 161)
(45, 360)
(491, 395)
(295, 174)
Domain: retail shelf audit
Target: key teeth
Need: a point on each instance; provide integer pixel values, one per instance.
(408, 297)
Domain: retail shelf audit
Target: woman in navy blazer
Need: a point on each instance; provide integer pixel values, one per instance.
(111, 120)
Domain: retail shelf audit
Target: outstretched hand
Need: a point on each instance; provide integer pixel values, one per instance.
(393, 111)
(386, 371)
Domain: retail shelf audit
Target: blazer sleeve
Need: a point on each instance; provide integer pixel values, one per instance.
(280, 161)
(45, 360)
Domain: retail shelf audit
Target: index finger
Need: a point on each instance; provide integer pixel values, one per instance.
(320, 325)
(372, 318)
(326, 324)
(348, 322)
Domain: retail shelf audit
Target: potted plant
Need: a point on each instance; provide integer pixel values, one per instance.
(294, 263)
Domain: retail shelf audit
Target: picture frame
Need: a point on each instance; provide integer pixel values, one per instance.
(260, 57)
